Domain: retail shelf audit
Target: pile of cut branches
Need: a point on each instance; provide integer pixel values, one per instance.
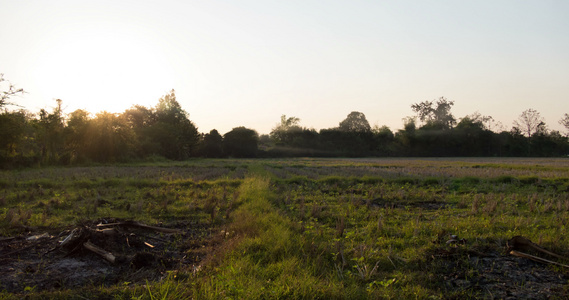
(105, 251)
(114, 241)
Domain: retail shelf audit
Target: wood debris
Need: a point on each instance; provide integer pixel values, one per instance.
(521, 243)
(94, 238)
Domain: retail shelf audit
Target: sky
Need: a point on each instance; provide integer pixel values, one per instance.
(246, 63)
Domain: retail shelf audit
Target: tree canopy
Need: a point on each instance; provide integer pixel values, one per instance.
(435, 115)
(355, 122)
(241, 142)
(284, 132)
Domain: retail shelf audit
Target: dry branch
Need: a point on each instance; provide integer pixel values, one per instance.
(521, 243)
(140, 225)
(105, 254)
(535, 258)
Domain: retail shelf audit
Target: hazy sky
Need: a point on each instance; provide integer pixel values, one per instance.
(245, 63)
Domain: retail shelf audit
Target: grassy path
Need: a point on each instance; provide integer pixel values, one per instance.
(272, 258)
(268, 260)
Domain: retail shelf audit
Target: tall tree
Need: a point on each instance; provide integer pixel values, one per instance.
(212, 144)
(13, 125)
(530, 122)
(110, 138)
(283, 133)
(176, 134)
(141, 119)
(77, 135)
(384, 140)
(435, 114)
(241, 142)
(16, 138)
(355, 122)
(50, 128)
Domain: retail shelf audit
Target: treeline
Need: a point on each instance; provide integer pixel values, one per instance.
(55, 138)
(166, 132)
(433, 132)
(468, 138)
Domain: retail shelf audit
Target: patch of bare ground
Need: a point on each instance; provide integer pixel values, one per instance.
(494, 274)
(100, 253)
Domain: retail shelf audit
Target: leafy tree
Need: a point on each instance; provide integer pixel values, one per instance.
(405, 138)
(212, 145)
(478, 120)
(384, 140)
(17, 143)
(283, 133)
(77, 135)
(435, 117)
(50, 136)
(141, 119)
(173, 131)
(241, 142)
(355, 122)
(471, 136)
(15, 128)
(110, 138)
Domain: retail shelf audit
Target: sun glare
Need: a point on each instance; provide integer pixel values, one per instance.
(103, 71)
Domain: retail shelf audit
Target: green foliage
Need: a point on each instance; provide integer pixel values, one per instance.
(107, 137)
(438, 117)
(285, 132)
(241, 142)
(355, 122)
(212, 144)
(176, 135)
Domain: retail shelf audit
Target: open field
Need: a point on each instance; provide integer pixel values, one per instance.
(290, 228)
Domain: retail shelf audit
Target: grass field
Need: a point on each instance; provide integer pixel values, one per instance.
(293, 228)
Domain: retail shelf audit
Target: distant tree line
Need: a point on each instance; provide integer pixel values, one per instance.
(432, 131)
(166, 132)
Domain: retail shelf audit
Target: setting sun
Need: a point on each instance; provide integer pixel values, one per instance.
(103, 69)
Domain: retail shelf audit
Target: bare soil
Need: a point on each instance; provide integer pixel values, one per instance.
(497, 275)
(38, 260)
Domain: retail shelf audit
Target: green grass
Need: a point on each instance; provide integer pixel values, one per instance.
(330, 229)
